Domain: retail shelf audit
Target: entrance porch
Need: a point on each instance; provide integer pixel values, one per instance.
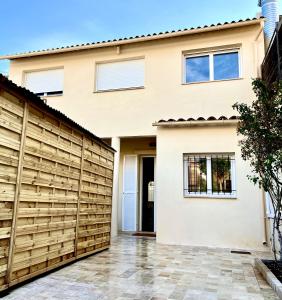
(134, 208)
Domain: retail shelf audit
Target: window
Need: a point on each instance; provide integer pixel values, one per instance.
(197, 69)
(213, 66)
(120, 75)
(46, 82)
(226, 66)
(209, 175)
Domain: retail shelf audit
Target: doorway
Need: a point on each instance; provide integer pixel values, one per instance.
(147, 193)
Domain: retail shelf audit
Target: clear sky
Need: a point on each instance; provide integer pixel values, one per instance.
(37, 24)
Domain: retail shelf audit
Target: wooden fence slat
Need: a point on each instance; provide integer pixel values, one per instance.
(79, 195)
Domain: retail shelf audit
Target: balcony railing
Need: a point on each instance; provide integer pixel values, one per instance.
(272, 64)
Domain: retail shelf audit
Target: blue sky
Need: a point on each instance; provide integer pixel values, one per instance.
(35, 24)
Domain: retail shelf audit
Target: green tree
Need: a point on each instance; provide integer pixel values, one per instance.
(221, 172)
(261, 127)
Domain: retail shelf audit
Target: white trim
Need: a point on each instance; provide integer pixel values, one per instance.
(121, 89)
(208, 50)
(211, 196)
(209, 175)
(211, 55)
(233, 175)
(211, 66)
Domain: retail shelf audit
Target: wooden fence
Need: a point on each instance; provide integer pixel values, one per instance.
(55, 188)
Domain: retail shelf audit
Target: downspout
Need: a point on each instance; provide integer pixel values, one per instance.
(265, 241)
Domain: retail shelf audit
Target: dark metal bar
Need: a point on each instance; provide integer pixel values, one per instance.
(194, 170)
(189, 174)
(201, 174)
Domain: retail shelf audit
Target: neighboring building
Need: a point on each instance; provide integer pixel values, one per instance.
(164, 102)
(272, 63)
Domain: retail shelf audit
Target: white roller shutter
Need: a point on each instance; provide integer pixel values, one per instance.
(120, 75)
(47, 81)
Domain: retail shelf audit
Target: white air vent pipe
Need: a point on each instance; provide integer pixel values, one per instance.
(271, 12)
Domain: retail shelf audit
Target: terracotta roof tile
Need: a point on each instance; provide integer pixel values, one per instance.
(136, 38)
(201, 119)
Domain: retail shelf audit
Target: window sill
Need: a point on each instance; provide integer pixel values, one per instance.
(51, 96)
(215, 196)
(121, 89)
(212, 81)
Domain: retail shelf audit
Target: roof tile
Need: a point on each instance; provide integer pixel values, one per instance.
(211, 118)
(131, 37)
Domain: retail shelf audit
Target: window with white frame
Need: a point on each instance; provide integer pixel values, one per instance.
(127, 74)
(213, 66)
(45, 82)
(209, 175)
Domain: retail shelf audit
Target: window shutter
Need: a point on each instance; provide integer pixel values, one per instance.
(119, 75)
(45, 81)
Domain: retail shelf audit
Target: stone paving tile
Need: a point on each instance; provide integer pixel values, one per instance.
(139, 269)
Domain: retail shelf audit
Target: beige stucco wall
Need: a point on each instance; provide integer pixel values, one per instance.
(234, 223)
(131, 112)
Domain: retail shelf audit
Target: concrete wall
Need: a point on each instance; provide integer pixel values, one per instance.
(132, 112)
(234, 223)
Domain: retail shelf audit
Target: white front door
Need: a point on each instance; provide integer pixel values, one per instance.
(130, 188)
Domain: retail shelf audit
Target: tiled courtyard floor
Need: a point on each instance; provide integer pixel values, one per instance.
(138, 268)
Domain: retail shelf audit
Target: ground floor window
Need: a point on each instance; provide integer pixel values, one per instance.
(209, 175)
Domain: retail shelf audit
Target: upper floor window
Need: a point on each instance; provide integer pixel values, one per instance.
(45, 82)
(127, 74)
(213, 66)
(209, 175)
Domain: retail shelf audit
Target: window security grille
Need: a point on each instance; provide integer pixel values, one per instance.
(212, 174)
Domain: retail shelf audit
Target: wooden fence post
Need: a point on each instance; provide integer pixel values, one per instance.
(79, 195)
(17, 194)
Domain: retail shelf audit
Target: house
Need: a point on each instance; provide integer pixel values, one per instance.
(164, 103)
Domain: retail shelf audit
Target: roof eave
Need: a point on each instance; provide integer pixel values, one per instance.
(134, 40)
(196, 123)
